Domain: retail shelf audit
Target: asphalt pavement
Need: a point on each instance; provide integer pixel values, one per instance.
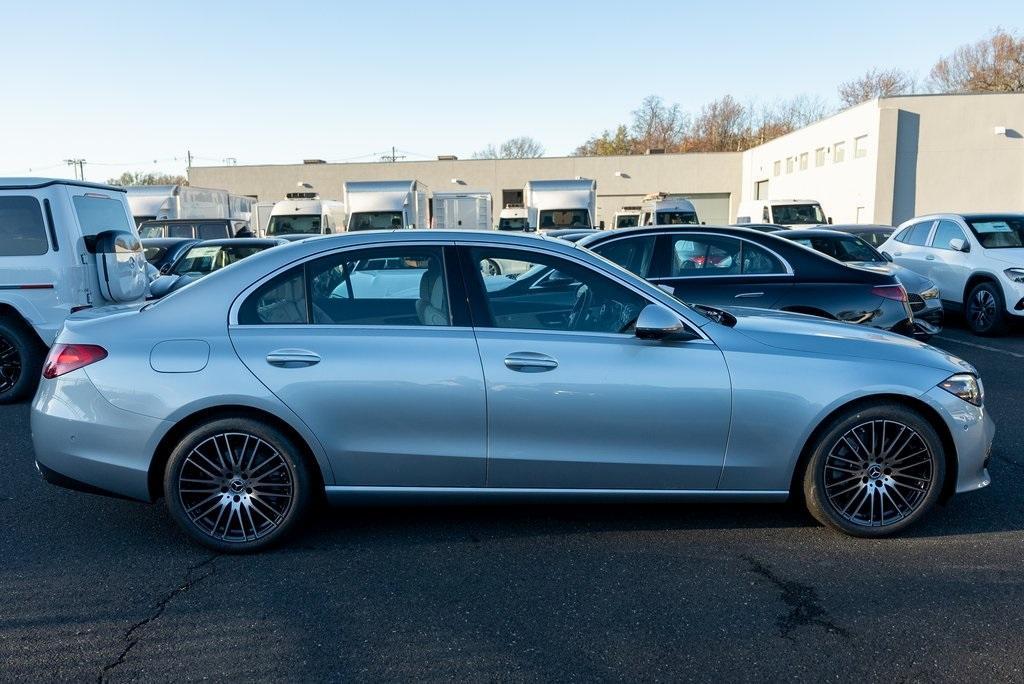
(93, 588)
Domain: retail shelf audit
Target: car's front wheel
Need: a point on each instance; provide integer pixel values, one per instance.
(875, 470)
(237, 485)
(984, 310)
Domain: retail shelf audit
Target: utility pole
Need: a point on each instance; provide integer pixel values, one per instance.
(393, 157)
(78, 165)
(189, 154)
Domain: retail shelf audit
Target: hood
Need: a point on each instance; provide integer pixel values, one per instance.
(1011, 256)
(811, 334)
(910, 280)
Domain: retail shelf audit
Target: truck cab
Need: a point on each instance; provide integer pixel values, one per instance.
(627, 217)
(513, 217)
(64, 246)
(660, 209)
(386, 205)
(304, 213)
(792, 213)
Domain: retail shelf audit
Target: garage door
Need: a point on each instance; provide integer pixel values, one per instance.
(712, 207)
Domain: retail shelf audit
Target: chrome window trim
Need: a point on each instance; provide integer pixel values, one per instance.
(789, 269)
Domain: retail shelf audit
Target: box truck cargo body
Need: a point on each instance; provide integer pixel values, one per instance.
(384, 205)
(555, 204)
(462, 210)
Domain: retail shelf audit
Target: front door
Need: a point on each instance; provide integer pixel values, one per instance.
(948, 268)
(574, 399)
(367, 349)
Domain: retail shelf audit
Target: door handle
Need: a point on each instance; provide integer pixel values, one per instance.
(897, 253)
(930, 257)
(530, 362)
(749, 294)
(292, 358)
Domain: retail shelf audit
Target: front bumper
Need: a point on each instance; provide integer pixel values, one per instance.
(84, 442)
(972, 430)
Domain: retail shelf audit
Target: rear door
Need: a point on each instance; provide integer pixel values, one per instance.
(910, 248)
(371, 348)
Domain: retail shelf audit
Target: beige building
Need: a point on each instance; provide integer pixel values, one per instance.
(883, 161)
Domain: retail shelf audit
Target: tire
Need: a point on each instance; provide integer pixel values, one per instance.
(21, 361)
(862, 497)
(985, 310)
(236, 485)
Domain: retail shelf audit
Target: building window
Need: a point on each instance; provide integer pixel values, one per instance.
(789, 165)
(819, 156)
(761, 190)
(860, 147)
(777, 168)
(838, 152)
(803, 161)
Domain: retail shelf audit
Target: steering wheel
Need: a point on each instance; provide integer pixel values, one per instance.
(579, 308)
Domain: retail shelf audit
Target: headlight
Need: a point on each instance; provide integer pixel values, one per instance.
(931, 293)
(1015, 274)
(966, 386)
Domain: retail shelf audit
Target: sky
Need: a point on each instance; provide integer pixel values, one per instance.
(136, 86)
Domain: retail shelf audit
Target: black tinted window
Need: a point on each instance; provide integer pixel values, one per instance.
(703, 255)
(181, 230)
(21, 227)
(758, 261)
(383, 286)
(212, 231)
(528, 290)
(280, 301)
(633, 254)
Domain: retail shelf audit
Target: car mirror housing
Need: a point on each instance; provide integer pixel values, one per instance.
(887, 257)
(958, 245)
(657, 322)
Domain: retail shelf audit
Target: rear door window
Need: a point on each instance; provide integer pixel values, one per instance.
(212, 231)
(916, 234)
(181, 230)
(633, 254)
(21, 227)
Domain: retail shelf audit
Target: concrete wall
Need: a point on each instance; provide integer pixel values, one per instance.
(709, 175)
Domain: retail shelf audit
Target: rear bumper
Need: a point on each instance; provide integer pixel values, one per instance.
(928, 318)
(84, 442)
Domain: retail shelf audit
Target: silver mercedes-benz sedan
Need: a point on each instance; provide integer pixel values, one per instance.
(406, 364)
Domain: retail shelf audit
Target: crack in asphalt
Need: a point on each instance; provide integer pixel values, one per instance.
(191, 580)
(805, 607)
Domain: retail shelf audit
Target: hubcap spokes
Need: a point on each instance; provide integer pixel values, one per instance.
(235, 487)
(983, 308)
(10, 364)
(878, 473)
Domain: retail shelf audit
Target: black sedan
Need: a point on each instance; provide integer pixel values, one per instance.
(162, 252)
(724, 266)
(205, 257)
(851, 249)
(762, 227)
(873, 234)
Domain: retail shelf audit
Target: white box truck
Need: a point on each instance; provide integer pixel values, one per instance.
(384, 205)
(304, 213)
(783, 212)
(513, 217)
(150, 202)
(462, 210)
(556, 204)
(627, 217)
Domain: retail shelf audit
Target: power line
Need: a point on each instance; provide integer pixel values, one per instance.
(393, 157)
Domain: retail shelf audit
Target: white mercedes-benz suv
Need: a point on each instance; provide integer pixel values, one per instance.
(976, 260)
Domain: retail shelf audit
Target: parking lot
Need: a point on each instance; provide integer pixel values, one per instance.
(99, 588)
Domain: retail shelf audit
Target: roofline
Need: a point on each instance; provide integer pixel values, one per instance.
(47, 182)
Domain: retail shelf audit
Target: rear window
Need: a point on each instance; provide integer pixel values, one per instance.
(97, 214)
(212, 231)
(21, 227)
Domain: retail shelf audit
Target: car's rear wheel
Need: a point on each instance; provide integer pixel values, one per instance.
(236, 485)
(984, 310)
(875, 470)
(21, 362)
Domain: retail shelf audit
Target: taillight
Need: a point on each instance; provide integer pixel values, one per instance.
(64, 358)
(896, 292)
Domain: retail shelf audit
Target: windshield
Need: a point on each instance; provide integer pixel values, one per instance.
(672, 218)
(299, 224)
(564, 218)
(998, 232)
(154, 254)
(797, 214)
(842, 248)
(376, 220)
(512, 224)
(209, 258)
(627, 221)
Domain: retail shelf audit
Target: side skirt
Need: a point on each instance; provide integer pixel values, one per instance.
(347, 495)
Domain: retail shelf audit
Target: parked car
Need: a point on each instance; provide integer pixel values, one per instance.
(161, 253)
(976, 260)
(922, 293)
(570, 234)
(203, 258)
(724, 266)
(262, 387)
(873, 234)
(64, 246)
(762, 227)
(197, 229)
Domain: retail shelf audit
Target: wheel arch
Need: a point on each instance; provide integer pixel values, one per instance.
(11, 313)
(927, 411)
(162, 453)
(974, 280)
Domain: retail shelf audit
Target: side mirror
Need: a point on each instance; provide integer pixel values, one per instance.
(958, 245)
(657, 322)
(887, 257)
(828, 220)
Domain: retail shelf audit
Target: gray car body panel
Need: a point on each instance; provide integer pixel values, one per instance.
(620, 416)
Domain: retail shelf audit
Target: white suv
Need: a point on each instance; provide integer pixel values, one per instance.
(976, 260)
(64, 246)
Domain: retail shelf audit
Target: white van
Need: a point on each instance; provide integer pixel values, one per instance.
(304, 213)
(627, 217)
(64, 246)
(660, 209)
(782, 212)
(513, 217)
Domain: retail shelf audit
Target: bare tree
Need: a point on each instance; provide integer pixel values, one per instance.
(139, 178)
(522, 147)
(875, 83)
(658, 126)
(723, 125)
(992, 65)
